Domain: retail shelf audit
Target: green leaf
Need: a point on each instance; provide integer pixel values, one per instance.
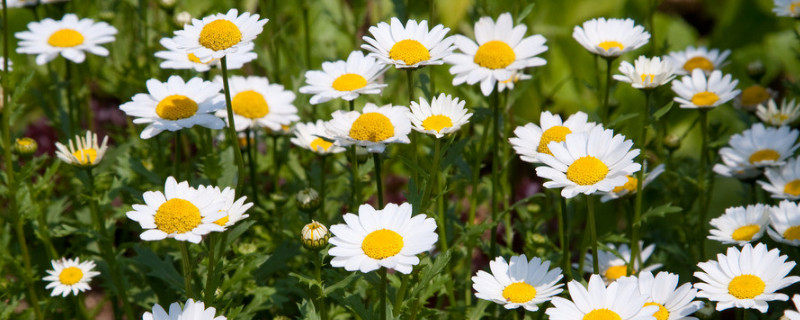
(341, 284)
(621, 119)
(659, 211)
(161, 269)
(663, 111)
(477, 312)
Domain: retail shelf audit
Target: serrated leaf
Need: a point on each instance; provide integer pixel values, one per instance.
(340, 284)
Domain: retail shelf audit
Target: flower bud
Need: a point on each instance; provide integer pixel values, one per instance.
(672, 142)
(755, 70)
(308, 199)
(166, 4)
(183, 18)
(315, 236)
(26, 146)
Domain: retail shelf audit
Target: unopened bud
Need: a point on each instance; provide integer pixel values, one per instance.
(278, 197)
(166, 4)
(107, 15)
(755, 70)
(315, 236)
(183, 18)
(672, 142)
(308, 199)
(26, 146)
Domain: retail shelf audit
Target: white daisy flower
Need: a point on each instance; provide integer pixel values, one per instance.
(784, 221)
(697, 91)
(587, 162)
(673, 302)
(233, 209)
(180, 212)
(83, 151)
(192, 310)
(501, 50)
(313, 136)
(28, 3)
(772, 115)
(786, 8)
(70, 276)
(620, 300)
(388, 238)
(509, 83)
(344, 79)
(531, 140)
(612, 267)
(731, 168)
(697, 58)
(745, 279)
(373, 128)
(412, 46)
(176, 58)
(753, 96)
(784, 181)
(258, 104)
(218, 35)
(740, 225)
(444, 115)
(610, 38)
(630, 186)
(646, 73)
(760, 146)
(520, 283)
(792, 314)
(175, 104)
(68, 37)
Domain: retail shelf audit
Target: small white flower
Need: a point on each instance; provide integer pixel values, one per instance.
(673, 302)
(176, 58)
(760, 146)
(771, 115)
(518, 283)
(509, 83)
(344, 79)
(786, 8)
(83, 151)
(620, 300)
(612, 267)
(701, 58)
(412, 46)
(784, 221)
(220, 34)
(258, 104)
(70, 276)
(192, 310)
(610, 38)
(697, 91)
(630, 186)
(784, 181)
(69, 37)
(646, 73)
(732, 169)
(233, 209)
(313, 136)
(373, 128)
(740, 225)
(532, 140)
(444, 115)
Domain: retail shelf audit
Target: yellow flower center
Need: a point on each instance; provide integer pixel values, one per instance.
(349, 82)
(65, 38)
(662, 313)
(519, 292)
(372, 126)
(746, 286)
(792, 233)
(630, 185)
(195, 59)
(792, 188)
(602, 314)
(494, 54)
(607, 45)
(250, 104)
(437, 123)
(745, 233)
(648, 77)
(764, 155)
(85, 156)
(555, 133)
(70, 276)
(220, 35)
(698, 63)
(794, 6)
(177, 215)
(25, 142)
(381, 244)
(704, 99)
(587, 170)
(754, 94)
(320, 143)
(176, 107)
(409, 51)
(616, 272)
(222, 221)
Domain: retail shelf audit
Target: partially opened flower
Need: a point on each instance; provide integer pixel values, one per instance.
(784, 181)
(234, 209)
(409, 46)
(610, 38)
(518, 283)
(646, 73)
(388, 237)
(444, 115)
(258, 104)
(220, 34)
(501, 50)
(192, 310)
(784, 222)
(612, 267)
(313, 136)
(673, 302)
(177, 58)
(697, 91)
(786, 8)
(630, 186)
(740, 225)
(509, 83)
(344, 79)
(745, 279)
(701, 58)
(373, 128)
(760, 146)
(618, 301)
(70, 37)
(774, 116)
(70, 276)
(83, 151)
(532, 140)
(175, 105)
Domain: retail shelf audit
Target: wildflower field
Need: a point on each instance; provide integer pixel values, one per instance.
(403, 159)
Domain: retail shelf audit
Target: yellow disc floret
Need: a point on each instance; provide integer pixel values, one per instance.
(602, 314)
(222, 221)
(792, 233)
(745, 233)
(764, 155)
(662, 313)
(70, 275)
(437, 123)
(177, 216)
(410, 52)
(519, 292)
(587, 170)
(320, 143)
(754, 95)
(372, 126)
(381, 244)
(220, 35)
(65, 38)
(705, 99)
(250, 104)
(698, 63)
(349, 82)
(494, 55)
(555, 133)
(616, 272)
(85, 156)
(176, 107)
(607, 45)
(629, 185)
(746, 286)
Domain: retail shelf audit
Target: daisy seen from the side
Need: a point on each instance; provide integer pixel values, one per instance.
(518, 283)
(753, 96)
(761, 146)
(511, 82)
(784, 223)
(70, 37)
(234, 209)
(698, 91)
(85, 151)
(674, 303)
(177, 58)
(630, 186)
(646, 73)
(788, 112)
(344, 80)
(532, 140)
(192, 310)
(740, 225)
(786, 8)
(612, 267)
(783, 182)
(70, 276)
(372, 128)
(619, 301)
(610, 38)
(444, 115)
(409, 46)
(258, 104)
(701, 58)
(313, 136)
(220, 34)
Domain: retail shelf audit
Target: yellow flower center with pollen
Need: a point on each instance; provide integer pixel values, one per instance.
(222, 221)
(320, 143)
(754, 94)
(70, 276)
(65, 38)
(494, 55)
(745, 233)
(764, 155)
(177, 215)
(648, 78)
(409, 51)
(616, 272)
(349, 82)
(746, 286)
(220, 35)
(698, 63)
(607, 45)
(176, 107)
(437, 123)
(381, 244)
(792, 233)
(89, 156)
(629, 186)
(602, 314)
(250, 104)
(704, 99)
(792, 188)
(794, 6)
(587, 170)
(372, 126)
(519, 292)
(555, 133)
(662, 313)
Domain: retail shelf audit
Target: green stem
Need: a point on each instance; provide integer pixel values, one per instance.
(209, 294)
(187, 269)
(414, 145)
(701, 182)
(307, 34)
(636, 225)
(563, 238)
(401, 293)
(232, 137)
(71, 114)
(592, 226)
(376, 158)
(432, 175)
(605, 111)
(252, 164)
(495, 202)
(178, 148)
(276, 165)
(26, 259)
(322, 192)
(356, 188)
(321, 305)
(473, 206)
(382, 291)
